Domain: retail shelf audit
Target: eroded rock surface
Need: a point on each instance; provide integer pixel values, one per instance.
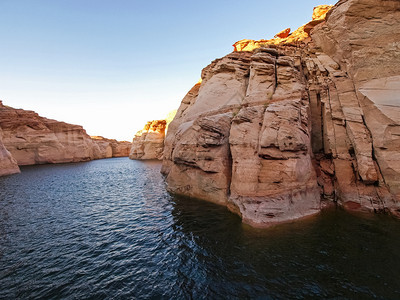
(106, 148)
(300, 35)
(363, 38)
(278, 129)
(242, 139)
(148, 143)
(32, 139)
(8, 164)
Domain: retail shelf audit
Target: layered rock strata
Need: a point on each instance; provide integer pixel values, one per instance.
(106, 148)
(32, 139)
(276, 132)
(148, 143)
(363, 37)
(8, 165)
(300, 35)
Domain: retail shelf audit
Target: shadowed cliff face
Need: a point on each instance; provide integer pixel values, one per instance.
(32, 139)
(277, 132)
(364, 38)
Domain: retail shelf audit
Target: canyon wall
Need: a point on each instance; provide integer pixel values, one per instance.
(363, 37)
(281, 127)
(32, 139)
(148, 143)
(8, 165)
(106, 148)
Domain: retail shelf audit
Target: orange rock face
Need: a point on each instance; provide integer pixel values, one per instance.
(280, 128)
(32, 139)
(301, 35)
(148, 143)
(8, 165)
(320, 11)
(283, 34)
(110, 147)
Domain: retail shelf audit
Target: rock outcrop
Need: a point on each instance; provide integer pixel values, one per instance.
(300, 35)
(148, 143)
(106, 148)
(32, 139)
(8, 165)
(363, 37)
(280, 127)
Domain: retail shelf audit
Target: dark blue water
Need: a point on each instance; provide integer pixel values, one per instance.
(107, 229)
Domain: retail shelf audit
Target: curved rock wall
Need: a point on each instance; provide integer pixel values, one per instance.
(106, 148)
(148, 143)
(242, 139)
(274, 132)
(32, 139)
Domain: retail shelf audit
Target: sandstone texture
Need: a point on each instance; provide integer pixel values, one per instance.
(279, 128)
(300, 35)
(8, 165)
(32, 139)
(106, 148)
(148, 143)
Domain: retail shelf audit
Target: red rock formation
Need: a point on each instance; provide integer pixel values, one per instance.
(362, 37)
(110, 147)
(148, 143)
(299, 36)
(283, 34)
(32, 139)
(276, 129)
(8, 165)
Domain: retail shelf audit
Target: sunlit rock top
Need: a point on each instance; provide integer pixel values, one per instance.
(302, 34)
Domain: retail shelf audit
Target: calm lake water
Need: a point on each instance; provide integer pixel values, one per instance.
(107, 229)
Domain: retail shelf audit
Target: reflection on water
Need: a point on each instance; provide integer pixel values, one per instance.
(108, 229)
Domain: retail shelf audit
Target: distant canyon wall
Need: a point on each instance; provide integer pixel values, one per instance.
(279, 128)
(148, 143)
(8, 164)
(31, 139)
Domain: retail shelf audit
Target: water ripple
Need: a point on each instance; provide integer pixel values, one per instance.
(107, 229)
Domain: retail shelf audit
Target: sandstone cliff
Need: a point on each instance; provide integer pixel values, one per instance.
(105, 148)
(8, 165)
(32, 139)
(148, 143)
(279, 127)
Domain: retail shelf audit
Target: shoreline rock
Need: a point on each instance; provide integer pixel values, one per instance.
(279, 127)
(148, 143)
(31, 139)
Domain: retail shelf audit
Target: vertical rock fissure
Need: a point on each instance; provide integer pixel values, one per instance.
(276, 77)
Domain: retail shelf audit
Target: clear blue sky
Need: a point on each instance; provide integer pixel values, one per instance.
(112, 65)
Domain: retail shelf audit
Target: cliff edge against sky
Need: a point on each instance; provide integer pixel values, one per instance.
(28, 139)
(280, 127)
(148, 143)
